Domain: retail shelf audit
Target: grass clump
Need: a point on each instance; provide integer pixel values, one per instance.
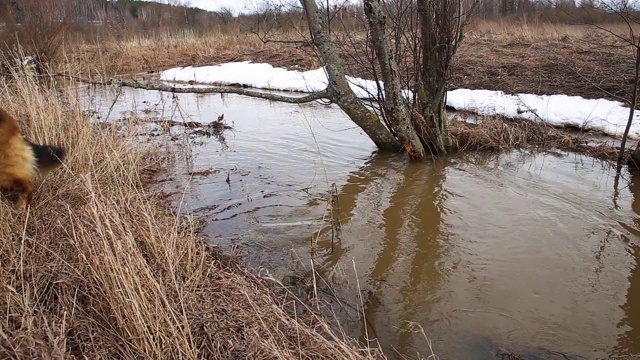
(99, 268)
(495, 133)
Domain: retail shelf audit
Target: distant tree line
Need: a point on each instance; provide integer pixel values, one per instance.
(121, 17)
(556, 11)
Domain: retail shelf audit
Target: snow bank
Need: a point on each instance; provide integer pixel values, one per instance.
(607, 116)
(262, 76)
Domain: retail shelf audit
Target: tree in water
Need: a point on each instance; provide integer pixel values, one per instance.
(442, 24)
(431, 30)
(414, 124)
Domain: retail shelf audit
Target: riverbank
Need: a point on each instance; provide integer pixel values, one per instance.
(99, 267)
(514, 57)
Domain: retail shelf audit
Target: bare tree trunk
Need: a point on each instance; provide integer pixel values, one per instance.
(394, 105)
(431, 95)
(338, 87)
(632, 107)
(436, 59)
(442, 24)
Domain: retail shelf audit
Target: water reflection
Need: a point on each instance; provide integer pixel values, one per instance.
(377, 173)
(402, 243)
(629, 341)
(486, 251)
(412, 236)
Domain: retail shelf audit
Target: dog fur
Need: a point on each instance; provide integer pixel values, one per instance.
(21, 160)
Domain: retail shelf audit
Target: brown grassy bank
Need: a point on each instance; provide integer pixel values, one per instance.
(492, 133)
(100, 269)
(543, 58)
(140, 54)
(539, 58)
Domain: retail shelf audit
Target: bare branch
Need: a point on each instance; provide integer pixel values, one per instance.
(299, 42)
(205, 90)
(632, 107)
(594, 84)
(580, 21)
(465, 21)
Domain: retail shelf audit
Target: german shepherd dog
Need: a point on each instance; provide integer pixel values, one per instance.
(21, 160)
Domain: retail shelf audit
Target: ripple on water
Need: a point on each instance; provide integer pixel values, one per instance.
(531, 253)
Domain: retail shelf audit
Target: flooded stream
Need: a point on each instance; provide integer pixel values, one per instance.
(536, 254)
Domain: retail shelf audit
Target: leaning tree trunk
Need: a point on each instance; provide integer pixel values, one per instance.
(394, 104)
(338, 88)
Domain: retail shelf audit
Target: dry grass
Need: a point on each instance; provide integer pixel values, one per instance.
(492, 133)
(515, 57)
(153, 53)
(99, 269)
(542, 58)
(536, 31)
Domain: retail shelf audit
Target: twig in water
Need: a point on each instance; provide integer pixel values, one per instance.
(113, 103)
(335, 214)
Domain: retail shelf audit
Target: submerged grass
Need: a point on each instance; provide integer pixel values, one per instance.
(99, 268)
(494, 133)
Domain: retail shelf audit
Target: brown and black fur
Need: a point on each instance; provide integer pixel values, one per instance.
(21, 160)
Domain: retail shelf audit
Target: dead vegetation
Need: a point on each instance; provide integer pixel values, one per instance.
(99, 268)
(515, 57)
(141, 54)
(544, 59)
(499, 134)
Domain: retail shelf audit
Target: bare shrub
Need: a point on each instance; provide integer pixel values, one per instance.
(37, 27)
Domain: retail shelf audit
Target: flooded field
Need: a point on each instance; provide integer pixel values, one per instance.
(535, 254)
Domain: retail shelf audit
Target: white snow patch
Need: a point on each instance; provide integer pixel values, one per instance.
(609, 117)
(262, 76)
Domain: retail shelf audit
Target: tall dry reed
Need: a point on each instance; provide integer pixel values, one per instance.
(99, 268)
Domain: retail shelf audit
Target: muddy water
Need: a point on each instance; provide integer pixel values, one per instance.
(534, 254)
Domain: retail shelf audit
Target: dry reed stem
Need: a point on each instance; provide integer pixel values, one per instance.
(99, 268)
